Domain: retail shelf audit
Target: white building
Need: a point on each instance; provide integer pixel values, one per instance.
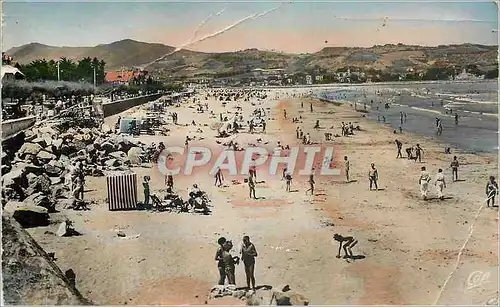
(464, 75)
(11, 73)
(309, 80)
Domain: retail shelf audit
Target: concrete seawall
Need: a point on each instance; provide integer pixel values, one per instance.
(118, 106)
(13, 126)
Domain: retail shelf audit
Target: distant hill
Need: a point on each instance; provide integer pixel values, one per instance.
(395, 58)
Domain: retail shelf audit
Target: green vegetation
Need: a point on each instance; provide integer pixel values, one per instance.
(81, 71)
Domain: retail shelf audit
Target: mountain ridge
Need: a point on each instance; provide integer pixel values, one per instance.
(397, 58)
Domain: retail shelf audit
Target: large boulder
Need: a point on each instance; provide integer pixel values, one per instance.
(29, 168)
(112, 162)
(12, 178)
(57, 143)
(30, 276)
(51, 170)
(289, 298)
(120, 156)
(41, 184)
(42, 141)
(29, 148)
(45, 157)
(27, 215)
(134, 155)
(40, 200)
(59, 190)
(107, 147)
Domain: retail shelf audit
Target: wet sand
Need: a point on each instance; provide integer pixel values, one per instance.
(410, 245)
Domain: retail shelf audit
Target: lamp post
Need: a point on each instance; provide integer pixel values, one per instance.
(58, 72)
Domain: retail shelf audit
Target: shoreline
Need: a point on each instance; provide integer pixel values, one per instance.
(476, 131)
(410, 245)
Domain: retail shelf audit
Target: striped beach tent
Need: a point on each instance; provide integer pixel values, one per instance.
(122, 191)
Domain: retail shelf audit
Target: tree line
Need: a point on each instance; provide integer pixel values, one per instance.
(69, 70)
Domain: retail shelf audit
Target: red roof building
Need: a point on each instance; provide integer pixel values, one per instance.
(119, 76)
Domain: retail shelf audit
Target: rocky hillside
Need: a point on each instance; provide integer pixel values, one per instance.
(393, 58)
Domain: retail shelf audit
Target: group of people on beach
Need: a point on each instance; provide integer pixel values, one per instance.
(226, 262)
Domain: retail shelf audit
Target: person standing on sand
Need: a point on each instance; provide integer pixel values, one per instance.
(284, 113)
(456, 118)
(405, 116)
(169, 181)
(253, 167)
(251, 185)
(440, 183)
(424, 180)
(491, 191)
(301, 104)
(220, 262)
(311, 183)
(454, 168)
(288, 180)
(145, 185)
(418, 153)
(297, 131)
(401, 117)
(218, 177)
(311, 107)
(373, 176)
(229, 262)
(347, 165)
(248, 254)
(399, 146)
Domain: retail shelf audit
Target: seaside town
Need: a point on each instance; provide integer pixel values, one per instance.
(134, 185)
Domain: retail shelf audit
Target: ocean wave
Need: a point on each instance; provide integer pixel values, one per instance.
(476, 101)
(426, 110)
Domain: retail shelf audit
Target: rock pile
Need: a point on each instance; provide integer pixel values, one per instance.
(38, 173)
(266, 295)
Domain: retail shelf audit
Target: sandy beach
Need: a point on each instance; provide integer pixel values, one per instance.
(410, 246)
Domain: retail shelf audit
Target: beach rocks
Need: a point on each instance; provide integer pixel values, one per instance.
(66, 229)
(42, 184)
(29, 148)
(263, 296)
(112, 162)
(289, 298)
(27, 215)
(40, 200)
(52, 170)
(108, 147)
(45, 157)
(134, 155)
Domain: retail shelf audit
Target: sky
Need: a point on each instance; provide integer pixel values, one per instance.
(293, 26)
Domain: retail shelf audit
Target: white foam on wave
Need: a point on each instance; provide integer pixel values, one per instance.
(426, 110)
(476, 101)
